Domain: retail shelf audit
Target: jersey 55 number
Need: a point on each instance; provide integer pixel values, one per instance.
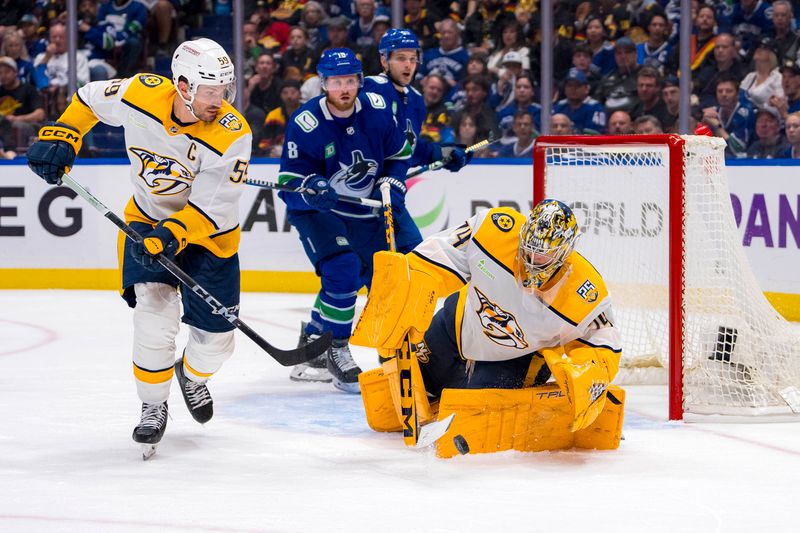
(239, 171)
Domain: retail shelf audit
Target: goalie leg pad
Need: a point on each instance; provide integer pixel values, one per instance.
(606, 430)
(155, 325)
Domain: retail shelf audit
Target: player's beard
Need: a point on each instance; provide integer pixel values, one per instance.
(341, 106)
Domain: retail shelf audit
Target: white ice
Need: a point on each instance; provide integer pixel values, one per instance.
(280, 456)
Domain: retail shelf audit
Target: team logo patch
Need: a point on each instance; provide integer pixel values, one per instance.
(231, 122)
(359, 176)
(503, 222)
(499, 325)
(150, 80)
(164, 175)
(330, 151)
(342, 241)
(422, 351)
(588, 291)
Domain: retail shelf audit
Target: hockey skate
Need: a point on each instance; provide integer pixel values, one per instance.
(342, 367)
(315, 370)
(151, 427)
(195, 394)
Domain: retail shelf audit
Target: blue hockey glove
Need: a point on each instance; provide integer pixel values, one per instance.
(398, 193)
(319, 195)
(154, 243)
(54, 153)
(457, 155)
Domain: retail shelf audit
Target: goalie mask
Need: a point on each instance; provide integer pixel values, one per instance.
(545, 241)
(208, 71)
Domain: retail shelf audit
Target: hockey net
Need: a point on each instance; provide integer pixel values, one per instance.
(658, 224)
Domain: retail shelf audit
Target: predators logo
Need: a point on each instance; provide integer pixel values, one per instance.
(499, 325)
(151, 80)
(357, 177)
(231, 122)
(164, 175)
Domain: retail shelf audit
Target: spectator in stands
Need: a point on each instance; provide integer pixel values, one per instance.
(792, 136)
(787, 42)
(29, 30)
(560, 124)
(726, 65)
(484, 21)
(703, 39)
(97, 40)
(128, 18)
(602, 49)
(313, 19)
(370, 55)
(270, 142)
(765, 81)
(790, 81)
(360, 31)
(21, 109)
(436, 127)
(647, 125)
(54, 60)
(751, 20)
(251, 48)
(582, 61)
(512, 40)
(14, 47)
(299, 55)
(523, 101)
(262, 93)
(524, 136)
(163, 15)
(585, 113)
(649, 101)
(467, 132)
(476, 66)
(449, 59)
(770, 143)
(11, 13)
(503, 90)
(671, 94)
(336, 37)
(617, 90)
(656, 50)
(730, 119)
(620, 123)
(475, 104)
(416, 20)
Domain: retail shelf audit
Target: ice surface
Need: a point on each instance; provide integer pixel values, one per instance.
(281, 456)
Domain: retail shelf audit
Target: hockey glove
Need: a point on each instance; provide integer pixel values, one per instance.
(154, 243)
(455, 156)
(398, 193)
(54, 153)
(319, 194)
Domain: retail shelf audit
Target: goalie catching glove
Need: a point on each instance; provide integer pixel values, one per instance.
(54, 153)
(161, 240)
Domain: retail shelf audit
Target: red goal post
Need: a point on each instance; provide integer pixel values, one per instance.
(684, 296)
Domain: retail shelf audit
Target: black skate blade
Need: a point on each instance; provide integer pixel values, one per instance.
(148, 451)
(430, 433)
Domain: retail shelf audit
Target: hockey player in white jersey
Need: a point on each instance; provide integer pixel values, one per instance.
(189, 151)
(522, 305)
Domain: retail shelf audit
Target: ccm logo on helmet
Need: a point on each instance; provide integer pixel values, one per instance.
(59, 133)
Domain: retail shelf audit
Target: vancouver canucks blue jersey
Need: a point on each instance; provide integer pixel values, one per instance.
(409, 109)
(352, 153)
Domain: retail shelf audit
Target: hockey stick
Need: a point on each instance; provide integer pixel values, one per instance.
(278, 187)
(436, 165)
(292, 357)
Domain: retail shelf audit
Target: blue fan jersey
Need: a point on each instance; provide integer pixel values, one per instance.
(409, 110)
(352, 153)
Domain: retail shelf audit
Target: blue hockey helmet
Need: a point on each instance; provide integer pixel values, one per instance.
(339, 62)
(398, 39)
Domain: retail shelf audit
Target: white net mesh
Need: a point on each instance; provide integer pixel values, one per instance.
(739, 355)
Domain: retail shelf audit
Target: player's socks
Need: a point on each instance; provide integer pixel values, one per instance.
(342, 367)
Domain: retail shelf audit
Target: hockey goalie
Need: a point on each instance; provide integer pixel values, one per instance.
(524, 348)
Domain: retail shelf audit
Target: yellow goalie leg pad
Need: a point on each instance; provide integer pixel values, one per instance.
(399, 300)
(527, 420)
(380, 392)
(583, 376)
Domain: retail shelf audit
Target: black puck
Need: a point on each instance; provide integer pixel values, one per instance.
(461, 444)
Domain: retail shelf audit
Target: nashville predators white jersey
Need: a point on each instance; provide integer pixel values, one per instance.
(191, 172)
(496, 319)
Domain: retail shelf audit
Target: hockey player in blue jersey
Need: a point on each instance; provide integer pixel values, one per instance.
(400, 56)
(345, 141)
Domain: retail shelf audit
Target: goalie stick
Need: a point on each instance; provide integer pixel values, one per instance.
(291, 357)
(278, 187)
(436, 165)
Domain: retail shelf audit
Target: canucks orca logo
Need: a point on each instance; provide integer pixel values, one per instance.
(411, 137)
(359, 176)
(499, 325)
(164, 175)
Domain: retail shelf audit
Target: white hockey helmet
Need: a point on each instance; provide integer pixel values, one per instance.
(203, 62)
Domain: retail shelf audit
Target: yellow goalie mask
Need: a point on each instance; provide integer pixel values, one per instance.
(545, 241)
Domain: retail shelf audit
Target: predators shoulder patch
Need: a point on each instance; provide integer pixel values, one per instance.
(503, 222)
(151, 80)
(231, 122)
